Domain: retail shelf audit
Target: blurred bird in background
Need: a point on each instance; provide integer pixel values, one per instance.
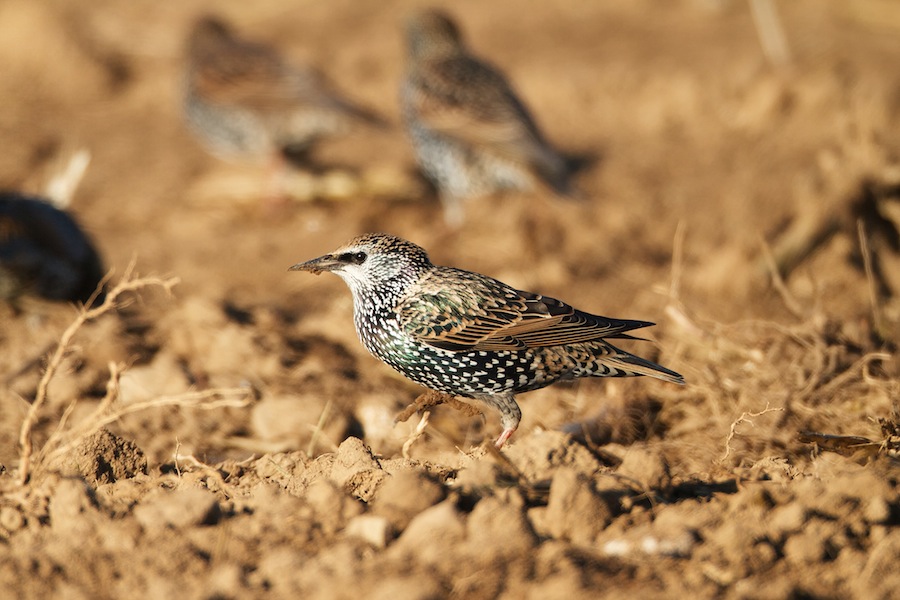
(243, 100)
(471, 133)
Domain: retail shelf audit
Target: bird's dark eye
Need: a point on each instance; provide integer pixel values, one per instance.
(354, 258)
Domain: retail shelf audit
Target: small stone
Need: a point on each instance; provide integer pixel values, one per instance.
(877, 510)
(11, 519)
(788, 518)
(375, 530)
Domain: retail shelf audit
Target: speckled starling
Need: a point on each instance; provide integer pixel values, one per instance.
(469, 335)
(471, 133)
(245, 101)
(43, 252)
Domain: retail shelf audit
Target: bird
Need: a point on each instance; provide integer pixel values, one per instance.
(471, 133)
(45, 253)
(244, 101)
(465, 334)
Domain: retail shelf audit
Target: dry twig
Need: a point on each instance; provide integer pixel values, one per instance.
(778, 281)
(420, 429)
(65, 437)
(317, 432)
(744, 418)
(86, 314)
(770, 32)
(877, 321)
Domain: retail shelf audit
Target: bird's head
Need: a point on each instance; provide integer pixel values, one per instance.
(207, 37)
(372, 262)
(432, 33)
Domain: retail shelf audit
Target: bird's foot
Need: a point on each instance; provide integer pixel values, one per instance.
(507, 433)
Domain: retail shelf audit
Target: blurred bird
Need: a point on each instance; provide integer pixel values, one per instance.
(43, 252)
(471, 133)
(469, 335)
(243, 100)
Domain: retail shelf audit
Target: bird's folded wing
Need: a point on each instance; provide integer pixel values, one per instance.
(482, 314)
(253, 76)
(468, 101)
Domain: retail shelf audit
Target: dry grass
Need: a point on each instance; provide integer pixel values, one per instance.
(67, 435)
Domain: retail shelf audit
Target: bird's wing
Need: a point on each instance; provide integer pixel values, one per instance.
(465, 99)
(462, 311)
(255, 76)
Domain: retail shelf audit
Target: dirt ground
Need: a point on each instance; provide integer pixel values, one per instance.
(232, 439)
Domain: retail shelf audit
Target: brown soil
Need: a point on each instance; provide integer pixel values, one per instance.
(710, 166)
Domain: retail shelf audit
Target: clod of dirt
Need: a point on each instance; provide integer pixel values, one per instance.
(788, 519)
(810, 545)
(181, 508)
(160, 377)
(285, 422)
(575, 511)
(292, 471)
(72, 510)
(440, 522)
(411, 587)
(356, 469)
(332, 506)
(118, 498)
(498, 530)
(105, 458)
(404, 495)
(647, 466)
(539, 455)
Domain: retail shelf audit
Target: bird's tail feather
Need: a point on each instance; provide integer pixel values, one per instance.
(630, 365)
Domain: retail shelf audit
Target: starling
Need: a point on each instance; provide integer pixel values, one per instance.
(43, 252)
(243, 100)
(471, 133)
(469, 335)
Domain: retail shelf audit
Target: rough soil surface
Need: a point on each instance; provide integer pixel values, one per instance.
(233, 440)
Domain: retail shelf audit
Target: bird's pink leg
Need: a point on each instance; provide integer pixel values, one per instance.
(510, 415)
(507, 433)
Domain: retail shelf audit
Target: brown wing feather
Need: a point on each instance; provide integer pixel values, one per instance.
(483, 314)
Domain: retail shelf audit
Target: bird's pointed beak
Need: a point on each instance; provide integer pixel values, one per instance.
(317, 265)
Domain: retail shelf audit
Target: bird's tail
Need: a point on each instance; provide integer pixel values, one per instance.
(628, 365)
(553, 169)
